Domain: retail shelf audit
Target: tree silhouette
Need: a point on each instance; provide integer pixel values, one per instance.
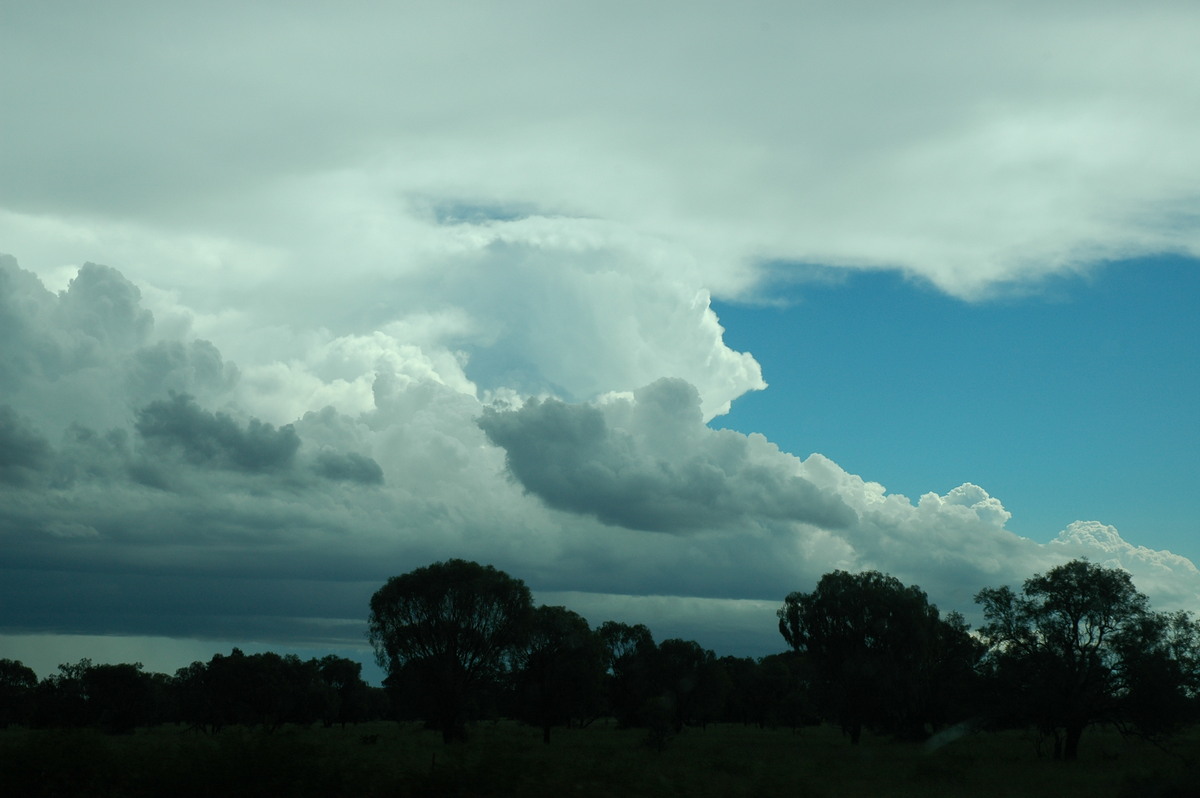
(690, 682)
(60, 698)
(17, 684)
(346, 696)
(872, 645)
(632, 657)
(774, 691)
(118, 696)
(448, 626)
(561, 669)
(1080, 646)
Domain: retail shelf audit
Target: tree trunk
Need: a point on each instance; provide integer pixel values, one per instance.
(1071, 748)
(454, 728)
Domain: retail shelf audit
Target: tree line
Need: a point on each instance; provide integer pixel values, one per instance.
(238, 689)
(461, 642)
(1077, 646)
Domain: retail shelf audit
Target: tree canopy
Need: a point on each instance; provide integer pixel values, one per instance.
(874, 648)
(560, 670)
(448, 626)
(1079, 645)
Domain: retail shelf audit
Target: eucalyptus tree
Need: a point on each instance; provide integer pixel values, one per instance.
(691, 681)
(560, 670)
(632, 663)
(1080, 646)
(875, 650)
(17, 685)
(448, 627)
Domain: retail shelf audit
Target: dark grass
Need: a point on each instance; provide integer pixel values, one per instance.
(505, 759)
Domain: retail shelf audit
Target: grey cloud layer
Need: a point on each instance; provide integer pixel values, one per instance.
(973, 146)
(648, 462)
(215, 438)
(93, 341)
(23, 452)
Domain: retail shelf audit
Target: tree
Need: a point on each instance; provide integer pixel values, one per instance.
(872, 645)
(346, 696)
(60, 698)
(449, 626)
(632, 657)
(115, 698)
(1161, 671)
(561, 669)
(1081, 646)
(739, 704)
(118, 696)
(17, 683)
(194, 703)
(953, 671)
(690, 682)
(774, 691)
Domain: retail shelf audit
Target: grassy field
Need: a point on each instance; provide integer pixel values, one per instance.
(502, 759)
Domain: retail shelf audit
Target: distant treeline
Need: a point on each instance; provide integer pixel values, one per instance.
(237, 689)
(675, 682)
(462, 642)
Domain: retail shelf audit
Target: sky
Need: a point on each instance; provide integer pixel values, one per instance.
(665, 309)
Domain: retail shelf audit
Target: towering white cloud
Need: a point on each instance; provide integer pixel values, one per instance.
(132, 505)
(1169, 577)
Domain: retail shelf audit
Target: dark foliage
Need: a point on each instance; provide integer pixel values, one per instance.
(1080, 646)
(877, 652)
(770, 692)
(451, 626)
(264, 690)
(17, 686)
(631, 663)
(559, 671)
(690, 683)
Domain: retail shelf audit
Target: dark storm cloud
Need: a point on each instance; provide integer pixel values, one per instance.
(651, 464)
(90, 353)
(104, 307)
(85, 455)
(41, 332)
(80, 363)
(23, 301)
(216, 439)
(99, 601)
(349, 467)
(183, 368)
(23, 452)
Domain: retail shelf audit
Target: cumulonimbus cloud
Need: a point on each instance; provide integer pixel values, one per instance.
(130, 505)
(426, 310)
